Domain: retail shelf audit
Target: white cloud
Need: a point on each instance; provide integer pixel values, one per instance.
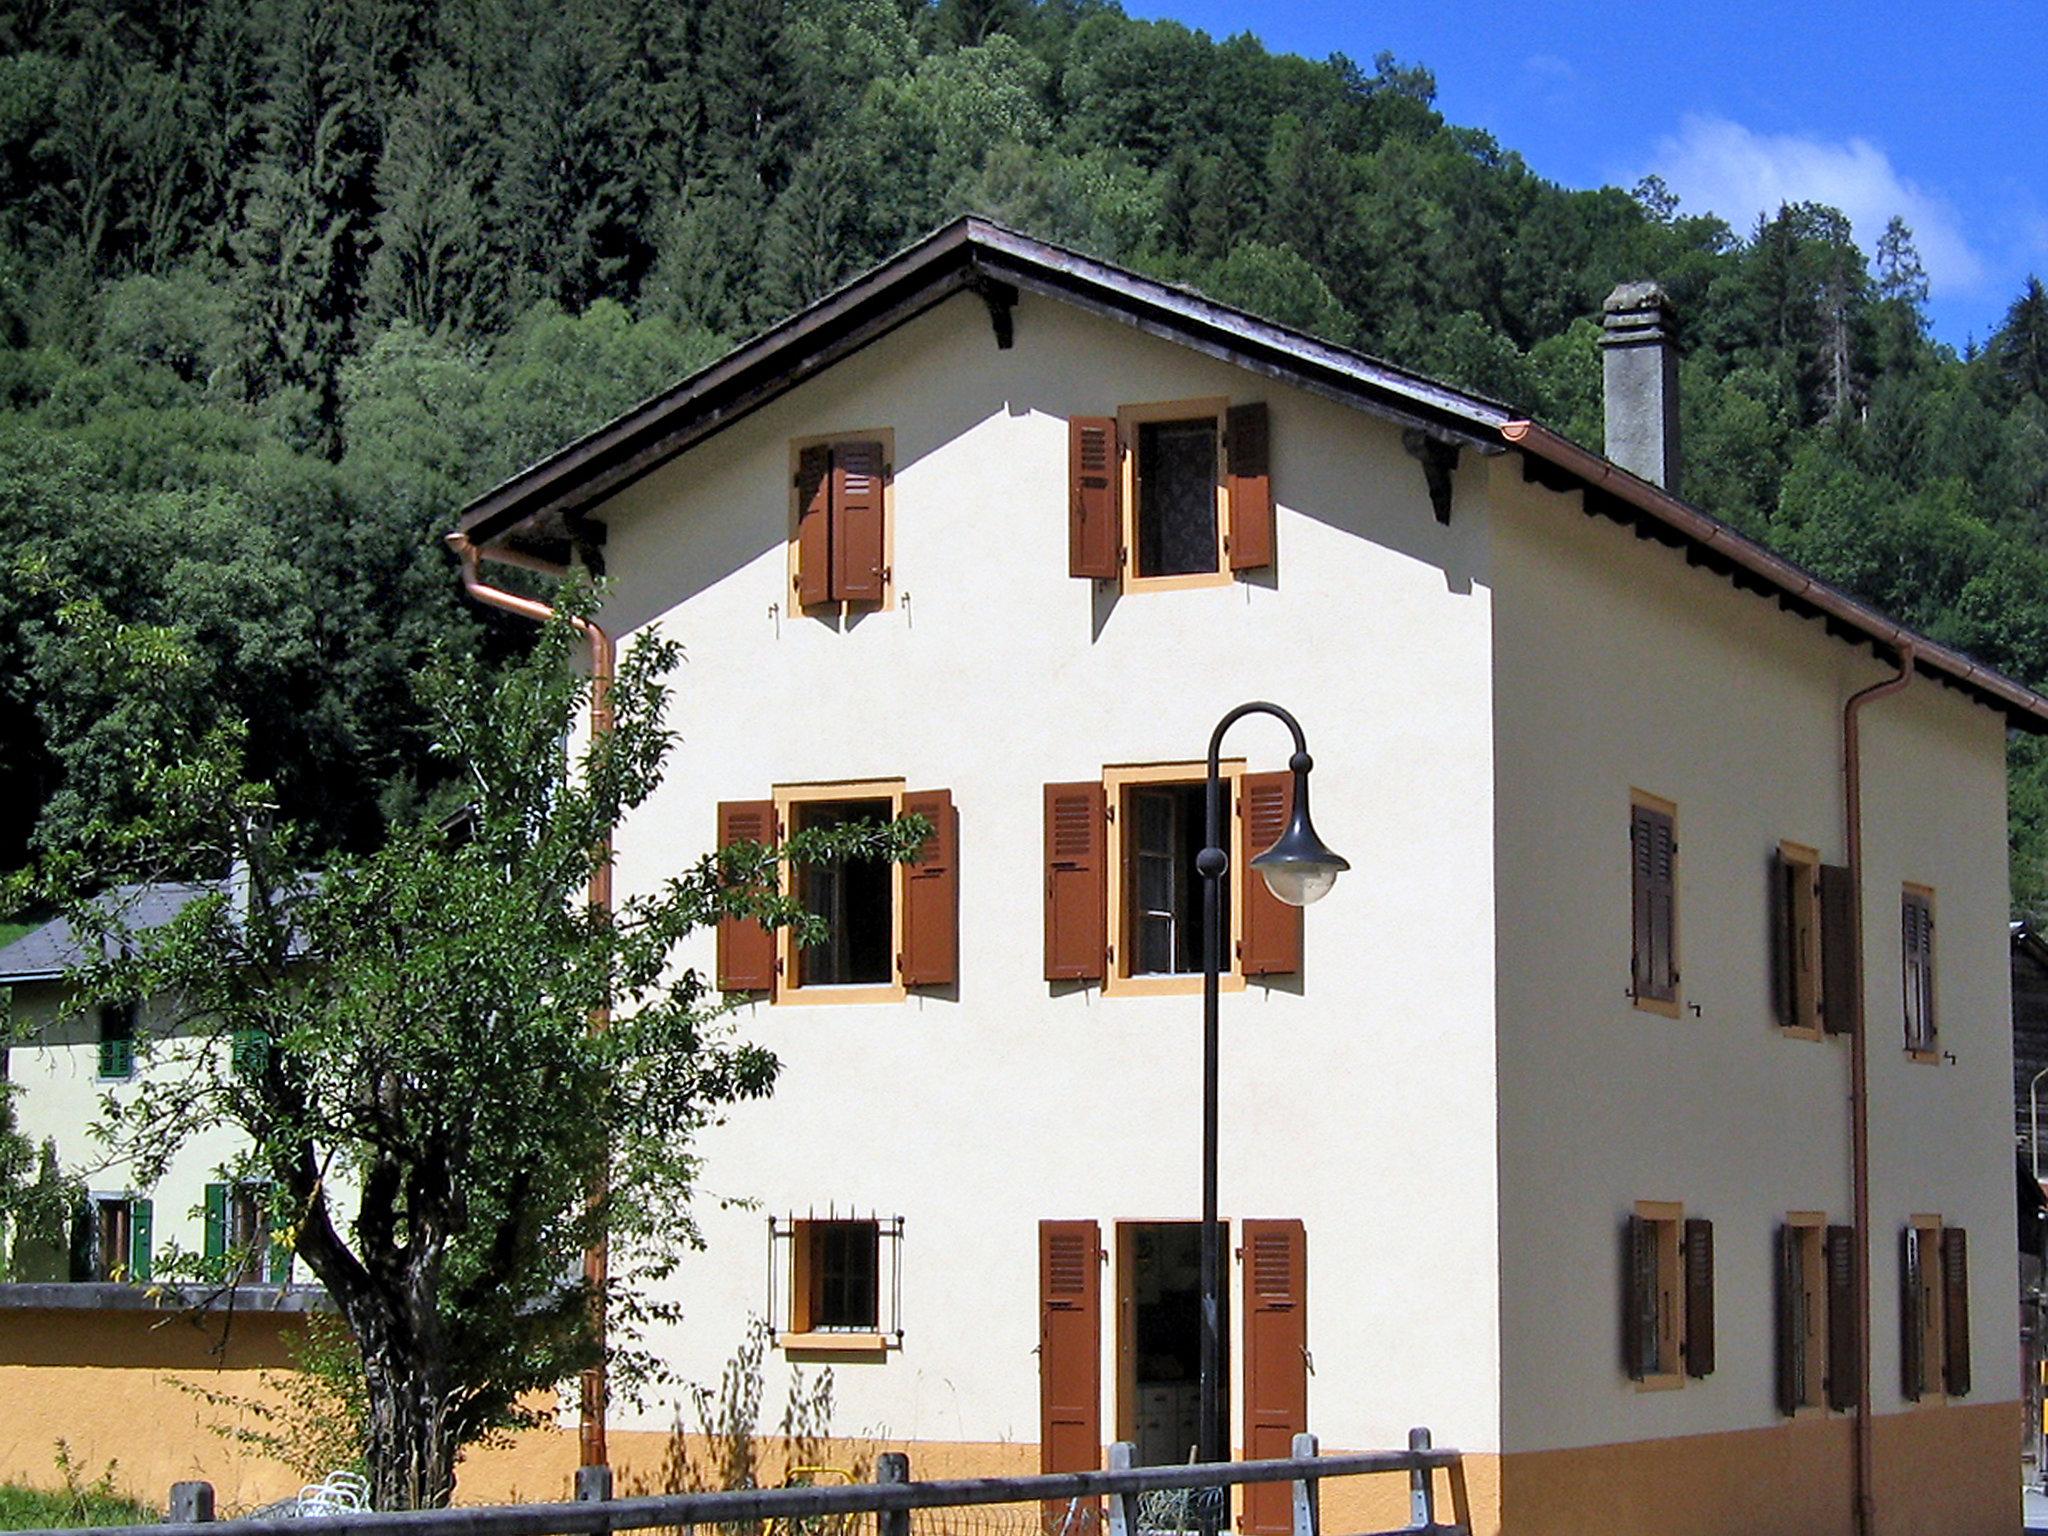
(1721, 167)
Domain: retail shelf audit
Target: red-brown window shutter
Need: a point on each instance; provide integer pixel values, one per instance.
(1270, 940)
(931, 894)
(1076, 882)
(1845, 1385)
(1784, 941)
(746, 950)
(1095, 515)
(1839, 961)
(1275, 1363)
(1698, 1260)
(1638, 1297)
(1791, 1322)
(1069, 1346)
(1654, 890)
(1955, 1310)
(858, 552)
(813, 526)
(1247, 449)
(1912, 1321)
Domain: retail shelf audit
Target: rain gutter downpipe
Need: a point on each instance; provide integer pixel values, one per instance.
(1859, 1076)
(603, 665)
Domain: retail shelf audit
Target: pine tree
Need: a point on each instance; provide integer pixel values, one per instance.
(2020, 349)
(431, 266)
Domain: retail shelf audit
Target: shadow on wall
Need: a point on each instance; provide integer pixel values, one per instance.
(146, 1340)
(1331, 463)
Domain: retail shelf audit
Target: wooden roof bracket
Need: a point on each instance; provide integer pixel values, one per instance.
(1001, 299)
(1438, 457)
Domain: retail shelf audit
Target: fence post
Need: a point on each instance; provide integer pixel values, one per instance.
(892, 1467)
(1421, 1486)
(191, 1503)
(593, 1485)
(1123, 1507)
(1308, 1491)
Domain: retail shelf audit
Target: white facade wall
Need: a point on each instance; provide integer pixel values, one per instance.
(1358, 1097)
(1622, 668)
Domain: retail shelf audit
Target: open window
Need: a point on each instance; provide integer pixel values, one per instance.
(1667, 1295)
(111, 1239)
(835, 1282)
(1934, 1310)
(241, 1245)
(1177, 494)
(1916, 970)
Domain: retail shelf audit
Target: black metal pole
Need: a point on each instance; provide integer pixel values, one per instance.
(1213, 863)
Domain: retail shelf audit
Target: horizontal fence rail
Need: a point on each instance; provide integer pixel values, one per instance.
(889, 1498)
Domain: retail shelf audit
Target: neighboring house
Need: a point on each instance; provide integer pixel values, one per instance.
(1538, 1131)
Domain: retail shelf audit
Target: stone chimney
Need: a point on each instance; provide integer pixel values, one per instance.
(1639, 366)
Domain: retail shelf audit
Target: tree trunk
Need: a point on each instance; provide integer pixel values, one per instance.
(410, 1450)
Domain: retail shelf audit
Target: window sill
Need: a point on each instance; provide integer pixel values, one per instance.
(1926, 1058)
(1670, 1009)
(813, 996)
(1189, 985)
(1667, 1381)
(1183, 583)
(835, 1343)
(1800, 1032)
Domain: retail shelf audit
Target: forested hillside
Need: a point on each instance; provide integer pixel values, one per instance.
(283, 282)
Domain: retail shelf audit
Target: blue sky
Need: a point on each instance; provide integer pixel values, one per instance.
(1937, 111)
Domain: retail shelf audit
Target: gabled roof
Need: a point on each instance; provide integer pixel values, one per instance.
(541, 510)
(46, 953)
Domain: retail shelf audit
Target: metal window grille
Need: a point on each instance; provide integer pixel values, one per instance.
(844, 1259)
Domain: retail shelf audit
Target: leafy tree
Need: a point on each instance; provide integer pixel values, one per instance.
(444, 1128)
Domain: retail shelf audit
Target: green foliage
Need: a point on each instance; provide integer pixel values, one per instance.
(80, 1502)
(432, 1107)
(312, 1418)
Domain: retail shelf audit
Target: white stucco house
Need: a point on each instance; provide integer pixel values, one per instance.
(1619, 1116)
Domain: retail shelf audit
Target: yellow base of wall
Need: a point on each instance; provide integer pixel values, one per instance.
(125, 1387)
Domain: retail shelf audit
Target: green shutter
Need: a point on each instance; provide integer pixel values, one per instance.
(141, 1218)
(249, 1052)
(216, 1220)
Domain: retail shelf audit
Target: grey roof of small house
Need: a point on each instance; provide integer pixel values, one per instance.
(46, 953)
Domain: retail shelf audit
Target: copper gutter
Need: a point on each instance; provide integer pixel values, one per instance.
(1859, 1077)
(603, 667)
(1778, 572)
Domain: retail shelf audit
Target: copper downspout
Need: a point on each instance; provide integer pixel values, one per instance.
(1859, 1079)
(603, 663)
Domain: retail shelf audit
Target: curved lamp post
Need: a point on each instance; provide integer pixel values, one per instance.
(1298, 869)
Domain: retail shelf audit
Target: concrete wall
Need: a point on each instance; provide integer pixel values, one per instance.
(1620, 667)
(1357, 1097)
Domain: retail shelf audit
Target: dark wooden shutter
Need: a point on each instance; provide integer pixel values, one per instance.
(1247, 446)
(1698, 1261)
(1654, 887)
(1791, 1322)
(1912, 1321)
(1784, 991)
(1955, 1310)
(1845, 1384)
(1916, 931)
(1069, 1346)
(141, 1237)
(1638, 1297)
(746, 950)
(858, 552)
(1095, 516)
(931, 895)
(216, 1220)
(1076, 882)
(1275, 1363)
(813, 526)
(1270, 939)
(1839, 962)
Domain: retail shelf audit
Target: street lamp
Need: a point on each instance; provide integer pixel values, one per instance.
(1298, 869)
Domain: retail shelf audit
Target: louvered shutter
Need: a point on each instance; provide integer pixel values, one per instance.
(1275, 1362)
(1912, 1320)
(1654, 860)
(1076, 882)
(1839, 962)
(1916, 924)
(931, 895)
(814, 526)
(746, 950)
(1638, 1297)
(216, 1220)
(1845, 1386)
(1784, 990)
(1698, 1260)
(1247, 447)
(1955, 1311)
(1069, 1346)
(1270, 941)
(858, 552)
(141, 1238)
(1095, 518)
(1791, 1322)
